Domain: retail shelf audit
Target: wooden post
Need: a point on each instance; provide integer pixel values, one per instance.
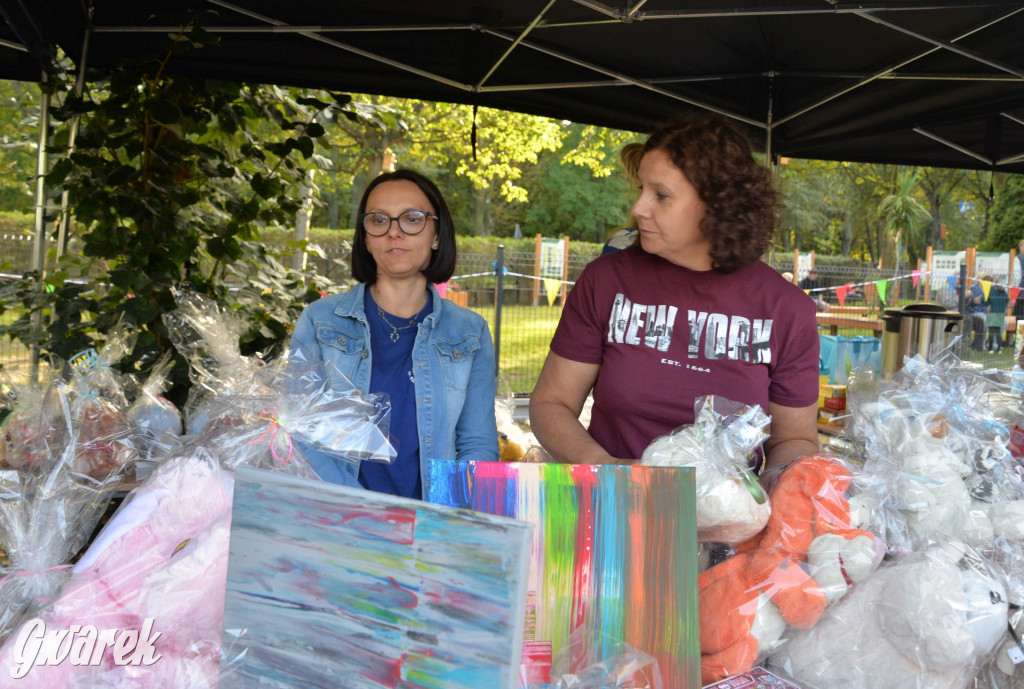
(536, 271)
(565, 268)
(928, 256)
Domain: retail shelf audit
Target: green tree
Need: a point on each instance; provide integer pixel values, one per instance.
(903, 216)
(1007, 228)
(580, 190)
(19, 143)
(170, 189)
(814, 207)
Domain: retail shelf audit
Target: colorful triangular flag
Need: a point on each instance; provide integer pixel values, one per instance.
(916, 274)
(986, 287)
(841, 293)
(551, 286)
(882, 285)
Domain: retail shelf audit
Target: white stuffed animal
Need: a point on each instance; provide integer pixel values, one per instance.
(933, 491)
(731, 507)
(930, 490)
(926, 620)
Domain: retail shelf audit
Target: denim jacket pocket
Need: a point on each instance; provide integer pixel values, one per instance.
(456, 359)
(342, 348)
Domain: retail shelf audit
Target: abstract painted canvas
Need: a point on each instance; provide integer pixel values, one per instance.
(613, 567)
(331, 586)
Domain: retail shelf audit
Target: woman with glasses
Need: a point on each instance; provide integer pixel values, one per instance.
(393, 333)
(689, 311)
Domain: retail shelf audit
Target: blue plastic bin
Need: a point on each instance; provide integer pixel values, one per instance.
(861, 351)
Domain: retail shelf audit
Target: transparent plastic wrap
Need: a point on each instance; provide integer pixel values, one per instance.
(603, 663)
(155, 419)
(937, 461)
(924, 620)
(293, 404)
(720, 443)
(513, 441)
(207, 336)
(160, 563)
(157, 570)
(32, 416)
(48, 509)
(810, 554)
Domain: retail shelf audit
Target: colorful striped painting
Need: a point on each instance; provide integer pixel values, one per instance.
(614, 559)
(331, 586)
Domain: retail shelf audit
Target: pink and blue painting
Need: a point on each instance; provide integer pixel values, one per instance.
(330, 586)
(613, 563)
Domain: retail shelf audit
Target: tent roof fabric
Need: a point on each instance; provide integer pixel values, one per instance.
(937, 83)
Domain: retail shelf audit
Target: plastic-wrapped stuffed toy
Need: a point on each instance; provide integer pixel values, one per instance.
(207, 336)
(931, 491)
(163, 557)
(807, 556)
(731, 507)
(923, 621)
(163, 554)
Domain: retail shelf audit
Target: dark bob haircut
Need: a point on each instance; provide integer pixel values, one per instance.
(741, 201)
(442, 259)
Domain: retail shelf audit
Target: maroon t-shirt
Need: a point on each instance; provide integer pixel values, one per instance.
(665, 335)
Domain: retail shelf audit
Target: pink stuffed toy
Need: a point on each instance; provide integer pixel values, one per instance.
(163, 556)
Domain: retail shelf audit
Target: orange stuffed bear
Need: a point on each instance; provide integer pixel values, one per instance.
(805, 557)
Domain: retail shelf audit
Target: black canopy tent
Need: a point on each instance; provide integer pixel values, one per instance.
(937, 83)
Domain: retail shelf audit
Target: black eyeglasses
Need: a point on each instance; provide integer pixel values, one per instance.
(410, 222)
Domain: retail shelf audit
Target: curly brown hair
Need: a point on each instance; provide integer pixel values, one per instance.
(742, 204)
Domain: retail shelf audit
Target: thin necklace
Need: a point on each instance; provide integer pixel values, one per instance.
(394, 329)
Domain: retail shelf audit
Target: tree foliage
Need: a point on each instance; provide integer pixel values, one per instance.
(170, 187)
(1008, 216)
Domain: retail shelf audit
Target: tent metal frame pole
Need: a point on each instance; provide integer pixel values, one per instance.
(955, 147)
(622, 78)
(519, 39)
(76, 121)
(885, 73)
(39, 240)
(342, 46)
(948, 45)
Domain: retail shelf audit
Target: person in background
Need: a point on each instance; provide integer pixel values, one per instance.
(812, 285)
(998, 301)
(977, 309)
(689, 311)
(393, 333)
(1018, 306)
(625, 237)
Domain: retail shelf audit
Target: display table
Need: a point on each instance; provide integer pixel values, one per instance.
(837, 321)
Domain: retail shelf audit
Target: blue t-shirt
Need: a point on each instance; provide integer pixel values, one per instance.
(392, 373)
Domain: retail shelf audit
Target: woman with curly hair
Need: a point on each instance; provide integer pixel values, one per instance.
(690, 311)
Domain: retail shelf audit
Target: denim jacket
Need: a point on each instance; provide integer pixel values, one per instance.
(454, 382)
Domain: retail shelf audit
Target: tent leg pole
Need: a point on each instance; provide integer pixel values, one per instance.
(39, 241)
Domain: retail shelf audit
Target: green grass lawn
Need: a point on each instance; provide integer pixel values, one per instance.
(525, 335)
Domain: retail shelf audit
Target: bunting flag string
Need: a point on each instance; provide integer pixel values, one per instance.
(842, 291)
(882, 285)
